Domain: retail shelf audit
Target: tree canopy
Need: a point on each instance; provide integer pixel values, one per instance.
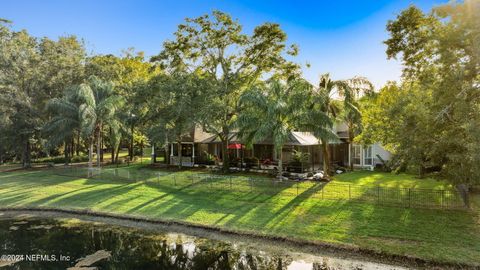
(430, 120)
(214, 47)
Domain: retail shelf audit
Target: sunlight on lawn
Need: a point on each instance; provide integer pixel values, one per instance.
(408, 231)
(390, 180)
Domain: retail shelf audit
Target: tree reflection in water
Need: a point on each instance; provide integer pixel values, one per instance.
(130, 248)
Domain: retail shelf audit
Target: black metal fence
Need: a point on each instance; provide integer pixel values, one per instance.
(241, 184)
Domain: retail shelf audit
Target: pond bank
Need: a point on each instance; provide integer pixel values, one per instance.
(212, 232)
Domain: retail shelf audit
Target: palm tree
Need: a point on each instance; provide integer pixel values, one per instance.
(319, 116)
(63, 125)
(350, 91)
(86, 108)
(116, 128)
(326, 97)
(272, 111)
(103, 101)
(71, 117)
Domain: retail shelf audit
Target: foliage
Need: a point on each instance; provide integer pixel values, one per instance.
(214, 47)
(130, 75)
(251, 162)
(431, 118)
(298, 161)
(272, 112)
(300, 156)
(320, 114)
(32, 71)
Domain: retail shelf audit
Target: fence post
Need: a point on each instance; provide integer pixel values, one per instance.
(378, 194)
(442, 198)
(409, 197)
(349, 192)
(297, 188)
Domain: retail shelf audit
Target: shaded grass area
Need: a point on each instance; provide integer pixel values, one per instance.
(440, 235)
(438, 197)
(8, 167)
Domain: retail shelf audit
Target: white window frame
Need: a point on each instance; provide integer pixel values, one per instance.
(368, 155)
(357, 154)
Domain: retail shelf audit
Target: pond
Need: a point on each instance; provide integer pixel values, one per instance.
(28, 241)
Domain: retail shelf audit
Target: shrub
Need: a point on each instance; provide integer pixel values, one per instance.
(297, 164)
(251, 162)
(209, 158)
(61, 159)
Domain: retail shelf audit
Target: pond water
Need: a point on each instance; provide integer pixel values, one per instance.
(30, 242)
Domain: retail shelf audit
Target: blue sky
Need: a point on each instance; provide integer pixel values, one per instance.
(340, 37)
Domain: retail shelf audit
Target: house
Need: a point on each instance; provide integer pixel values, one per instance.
(198, 148)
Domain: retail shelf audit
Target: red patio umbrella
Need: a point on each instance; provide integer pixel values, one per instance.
(235, 146)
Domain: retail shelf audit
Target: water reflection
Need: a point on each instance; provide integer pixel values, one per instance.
(133, 249)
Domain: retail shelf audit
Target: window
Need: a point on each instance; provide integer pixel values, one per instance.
(356, 155)
(367, 155)
(187, 150)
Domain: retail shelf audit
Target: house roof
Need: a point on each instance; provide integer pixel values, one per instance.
(199, 135)
(303, 138)
(342, 134)
(294, 138)
(232, 138)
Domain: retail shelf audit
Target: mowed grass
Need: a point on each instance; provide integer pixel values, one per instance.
(440, 235)
(391, 180)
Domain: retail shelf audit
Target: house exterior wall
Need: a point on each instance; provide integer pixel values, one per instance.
(340, 153)
(384, 154)
(368, 155)
(340, 126)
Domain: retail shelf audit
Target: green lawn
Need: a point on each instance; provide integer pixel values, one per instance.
(442, 235)
(8, 167)
(392, 180)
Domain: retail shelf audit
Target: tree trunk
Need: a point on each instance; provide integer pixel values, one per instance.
(464, 193)
(66, 151)
(350, 148)
(98, 146)
(78, 145)
(326, 159)
(154, 154)
(131, 144)
(280, 163)
(117, 151)
(179, 154)
(113, 154)
(225, 142)
(90, 156)
(101, 143)
(166, 154)
(26, 158)
(72, 147)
